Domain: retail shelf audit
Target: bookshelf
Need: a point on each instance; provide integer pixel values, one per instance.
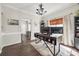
(76, 32)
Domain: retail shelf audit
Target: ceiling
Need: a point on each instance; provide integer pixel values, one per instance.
(31, 7)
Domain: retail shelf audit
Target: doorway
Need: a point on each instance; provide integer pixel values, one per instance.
(25, 27)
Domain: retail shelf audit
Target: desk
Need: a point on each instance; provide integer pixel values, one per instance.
(47, 38)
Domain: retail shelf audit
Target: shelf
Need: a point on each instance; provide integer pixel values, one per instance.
(76, 23)
(76, 38)
(77, 29)
(60, 25)
(76, 32)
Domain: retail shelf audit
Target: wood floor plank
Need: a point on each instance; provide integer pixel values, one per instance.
(20, 50)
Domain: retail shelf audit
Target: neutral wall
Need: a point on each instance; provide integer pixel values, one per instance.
(9, 13)
(0, 30)
(9, 39)
(61, 13)
(35, 28)
(11, 34)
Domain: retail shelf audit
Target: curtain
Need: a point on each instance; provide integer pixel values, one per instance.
(68, 31)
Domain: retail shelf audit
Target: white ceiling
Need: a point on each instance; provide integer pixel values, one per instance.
(31, 7)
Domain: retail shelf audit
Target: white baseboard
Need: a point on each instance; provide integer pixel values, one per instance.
(11, 44)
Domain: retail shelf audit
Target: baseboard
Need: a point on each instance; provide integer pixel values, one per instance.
(11, 44)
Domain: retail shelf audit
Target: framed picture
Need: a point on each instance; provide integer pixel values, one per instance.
(13, 22)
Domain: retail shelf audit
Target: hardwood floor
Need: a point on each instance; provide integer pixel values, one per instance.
(20, 50)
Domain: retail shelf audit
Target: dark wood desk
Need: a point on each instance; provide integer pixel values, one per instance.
(47, 38)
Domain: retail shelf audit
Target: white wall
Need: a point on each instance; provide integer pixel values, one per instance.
(61, 13)
(9, 39)
(0, 31)
(71, 10)
(35, 26)
(11, 34)
(9, 13)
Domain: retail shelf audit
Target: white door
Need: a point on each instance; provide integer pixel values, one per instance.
(23, 29)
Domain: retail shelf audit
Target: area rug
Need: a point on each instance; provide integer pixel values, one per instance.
(42, 49)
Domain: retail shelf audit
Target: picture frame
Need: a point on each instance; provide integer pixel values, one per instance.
(13, 22)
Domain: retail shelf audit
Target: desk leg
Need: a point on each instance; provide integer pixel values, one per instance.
(48, 48)
(54, 50)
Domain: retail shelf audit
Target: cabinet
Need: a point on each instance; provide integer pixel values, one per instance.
(76, 32)
(42, 25)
